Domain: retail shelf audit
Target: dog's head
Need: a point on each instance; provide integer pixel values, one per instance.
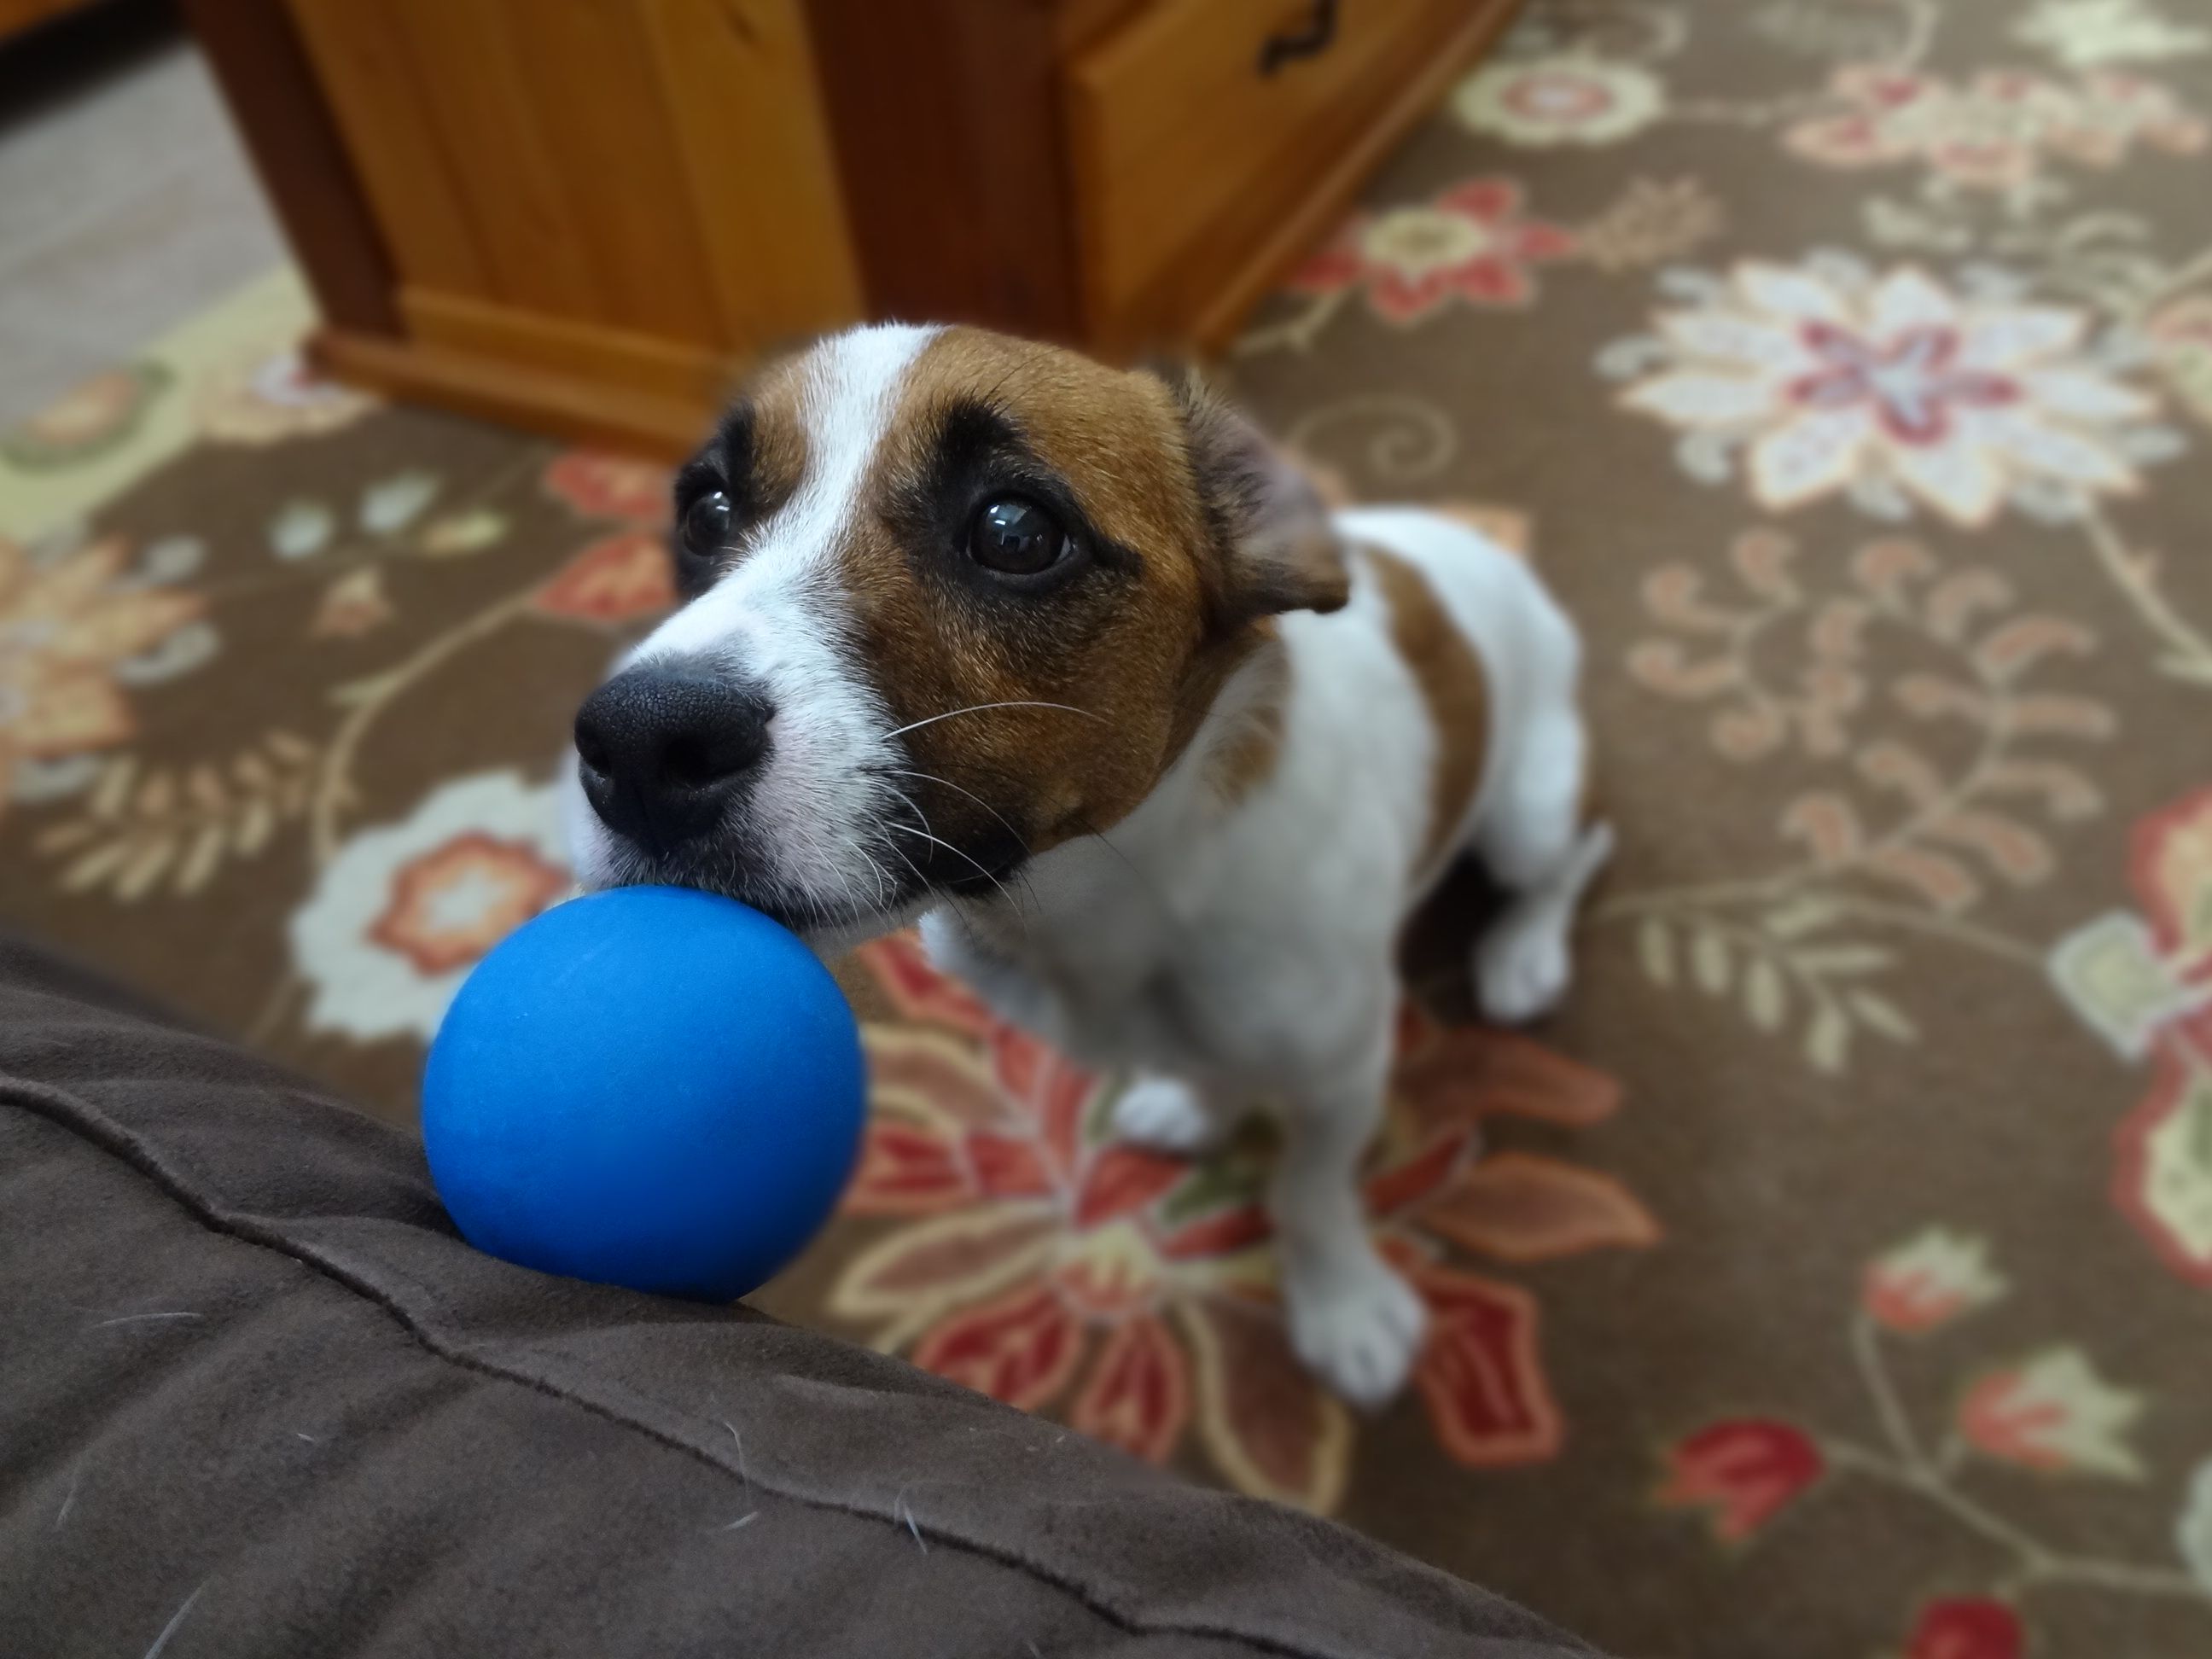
(951, 599)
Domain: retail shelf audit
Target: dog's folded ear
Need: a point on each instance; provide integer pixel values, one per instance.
(1279, 550)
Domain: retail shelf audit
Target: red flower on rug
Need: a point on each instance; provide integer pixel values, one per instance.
(2142, 979)
(609, 486)
(1471, 241)
(624, 576)
(1046, 1264)
(2052, 1411)
(1968, 1627)
(1746, 1471)
(451, 905)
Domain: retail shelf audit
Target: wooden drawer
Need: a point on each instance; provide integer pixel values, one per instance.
(1186, 110)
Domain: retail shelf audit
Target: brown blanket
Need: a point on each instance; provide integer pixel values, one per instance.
(256, 1398)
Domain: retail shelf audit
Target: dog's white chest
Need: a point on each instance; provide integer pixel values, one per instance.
(1103, 988)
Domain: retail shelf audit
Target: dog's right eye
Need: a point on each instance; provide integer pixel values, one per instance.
(1015, 537)
(706, 525)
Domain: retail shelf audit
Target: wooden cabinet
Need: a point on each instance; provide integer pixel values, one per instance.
(583, 214)
(588, 214)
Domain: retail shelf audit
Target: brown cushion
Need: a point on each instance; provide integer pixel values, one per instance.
(251, 1381)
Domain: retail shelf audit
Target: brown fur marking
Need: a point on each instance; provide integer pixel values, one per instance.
(1450, 677)
(779, 436)
(1245, 758)
(1146, 665)
(775, 446)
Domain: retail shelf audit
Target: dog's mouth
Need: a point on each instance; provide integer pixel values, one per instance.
(686, 774)
(732, 872)
(880, 877)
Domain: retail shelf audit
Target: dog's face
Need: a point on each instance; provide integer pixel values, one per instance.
(951, 599)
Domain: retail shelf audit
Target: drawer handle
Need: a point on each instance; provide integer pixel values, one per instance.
(1310, 41)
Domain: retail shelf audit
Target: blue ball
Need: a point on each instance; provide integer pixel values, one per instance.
(649, 1087)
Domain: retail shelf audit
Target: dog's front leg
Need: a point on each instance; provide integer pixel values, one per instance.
(1354, 1323)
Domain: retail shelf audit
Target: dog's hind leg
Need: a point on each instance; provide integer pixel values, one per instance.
(1537, 844)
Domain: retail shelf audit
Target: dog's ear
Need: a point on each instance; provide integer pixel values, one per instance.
(1279, 550)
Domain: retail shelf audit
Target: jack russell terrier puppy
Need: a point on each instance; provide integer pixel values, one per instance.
(1071, 664)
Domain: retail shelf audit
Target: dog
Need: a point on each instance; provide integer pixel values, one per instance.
(1069, 663)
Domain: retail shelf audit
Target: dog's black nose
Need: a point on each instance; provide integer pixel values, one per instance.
(665, 747)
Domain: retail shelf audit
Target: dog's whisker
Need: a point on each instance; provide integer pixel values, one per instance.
(912, 806)
(939, 840)
(985, 707)
(921, 816)
(985, 869)
(920, 880)
(930, 777)
(1027, 885)
(885, 891)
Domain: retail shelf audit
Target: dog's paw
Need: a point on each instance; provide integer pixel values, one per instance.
(1359, 1328)
(1521, 971)
(1167, 1116)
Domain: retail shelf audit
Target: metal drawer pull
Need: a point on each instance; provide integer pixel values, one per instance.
(1315, 38)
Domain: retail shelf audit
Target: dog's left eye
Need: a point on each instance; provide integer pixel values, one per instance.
(706, 525)
(1015, 537)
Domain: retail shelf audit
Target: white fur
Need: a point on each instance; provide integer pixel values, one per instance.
(1245, 956)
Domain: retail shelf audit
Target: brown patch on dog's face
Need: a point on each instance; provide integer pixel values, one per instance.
(1133, 626)
(1450, 677)
(745, 471)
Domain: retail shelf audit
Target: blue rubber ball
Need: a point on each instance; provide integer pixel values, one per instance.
(649, 1087)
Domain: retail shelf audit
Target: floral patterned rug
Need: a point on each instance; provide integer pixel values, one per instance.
(1833, 1278)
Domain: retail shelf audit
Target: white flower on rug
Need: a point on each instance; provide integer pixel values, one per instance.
(266, 399)
(2052, 1412)
(1929, 1280)
(1994, 133)
(2082, 34)
(1891, 390)
(403, 911)
(1569, 99)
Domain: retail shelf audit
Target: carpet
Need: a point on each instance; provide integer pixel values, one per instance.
(1833, 1276)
